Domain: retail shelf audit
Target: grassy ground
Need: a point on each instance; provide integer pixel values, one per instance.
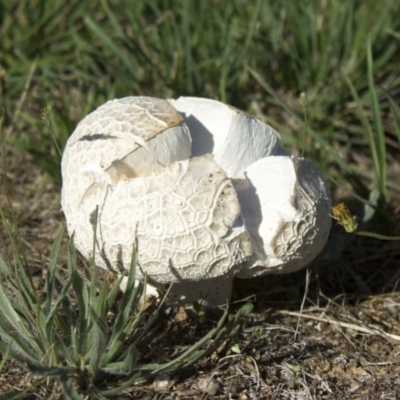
(331, 331)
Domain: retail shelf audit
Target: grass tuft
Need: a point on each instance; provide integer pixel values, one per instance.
(66, 333)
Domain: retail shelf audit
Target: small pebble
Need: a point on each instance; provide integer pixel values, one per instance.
(208, 385)
(161, 382)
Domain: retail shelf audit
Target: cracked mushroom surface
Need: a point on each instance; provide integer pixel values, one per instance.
(202, 189)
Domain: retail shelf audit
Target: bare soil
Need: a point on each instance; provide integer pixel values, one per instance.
(329, 332)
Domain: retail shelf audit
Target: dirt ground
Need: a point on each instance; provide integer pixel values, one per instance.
(329, 332)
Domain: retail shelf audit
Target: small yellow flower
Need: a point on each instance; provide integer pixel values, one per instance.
(342, 215)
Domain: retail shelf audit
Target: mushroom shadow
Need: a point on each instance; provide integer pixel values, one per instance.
(203, 143)
(251, 210)
(202, 138)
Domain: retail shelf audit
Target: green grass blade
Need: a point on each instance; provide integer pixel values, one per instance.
(129, 302)
(10, 315)
(25, 285)
(396, 116)
(98, 336)
(21, 302)
(82, 297)
(367, 128)
(379, 132)
(124, 367)
(52, 370)
(115, 290)
(4, 356)
(55, 251)
(96, 394)
(145, 331)
(101, 302)
(68, 388)
(56, 307)
(4, 269)
(15, 394)
(130, 62)
(17, 348)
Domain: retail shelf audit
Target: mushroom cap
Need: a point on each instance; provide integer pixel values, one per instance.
(183, 215)
(200, 189)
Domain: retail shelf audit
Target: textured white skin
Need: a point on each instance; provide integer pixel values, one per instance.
(187, 214)
(294, 204)
(235, 138)
(284, 201)
(248, 209)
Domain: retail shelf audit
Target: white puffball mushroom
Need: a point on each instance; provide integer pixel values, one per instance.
(131, 159)
(202, 189)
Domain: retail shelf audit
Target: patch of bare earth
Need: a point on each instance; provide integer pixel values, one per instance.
(330, 333)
